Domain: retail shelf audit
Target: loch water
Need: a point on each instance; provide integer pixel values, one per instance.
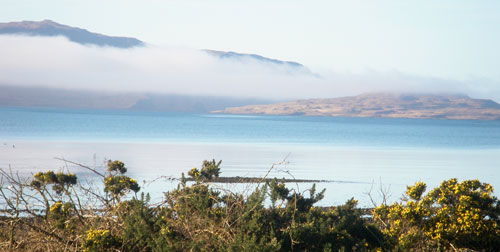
(358, 154)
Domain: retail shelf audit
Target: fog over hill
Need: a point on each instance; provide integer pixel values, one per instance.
(81, 36)
(50, 64)
(77, 96)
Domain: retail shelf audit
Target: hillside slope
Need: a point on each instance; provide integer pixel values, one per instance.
(381, 105)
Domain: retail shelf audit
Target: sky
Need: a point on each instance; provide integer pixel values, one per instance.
(437, 45)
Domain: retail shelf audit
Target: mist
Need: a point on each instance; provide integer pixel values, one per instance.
(55, 62)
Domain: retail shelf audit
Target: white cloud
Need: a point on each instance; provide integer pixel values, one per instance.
(56, 62)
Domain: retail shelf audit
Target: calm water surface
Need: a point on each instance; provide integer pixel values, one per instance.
(355, 152)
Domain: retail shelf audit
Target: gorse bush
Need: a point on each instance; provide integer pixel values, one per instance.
(116, 183)
(209, 170)
(52, 212)
(101, 240)
(455, 215)
(199, 218)
(60, 181)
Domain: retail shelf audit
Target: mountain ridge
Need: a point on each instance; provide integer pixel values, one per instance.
(230, 54)
(50, 28)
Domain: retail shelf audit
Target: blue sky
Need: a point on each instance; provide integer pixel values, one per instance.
(451, 39)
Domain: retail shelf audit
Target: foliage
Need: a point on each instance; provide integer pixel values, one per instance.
(194, 173)
(116, 166)
(100, 240)
(209, 170)
(455, 215)
(120, 185)
(52, 211)
(316, 229)
(61, 214)
(200, 218)
(55, 213)
(141, 224)
(59, 180)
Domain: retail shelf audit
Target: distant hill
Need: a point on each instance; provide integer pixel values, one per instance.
(381, 105)
(81, 36)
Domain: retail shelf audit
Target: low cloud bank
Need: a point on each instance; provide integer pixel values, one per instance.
(57, 63)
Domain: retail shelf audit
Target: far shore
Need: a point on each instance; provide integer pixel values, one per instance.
(242, 180)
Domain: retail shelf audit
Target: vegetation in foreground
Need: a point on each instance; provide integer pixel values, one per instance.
(52, 211)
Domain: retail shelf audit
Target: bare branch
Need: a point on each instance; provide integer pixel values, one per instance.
(81, 165)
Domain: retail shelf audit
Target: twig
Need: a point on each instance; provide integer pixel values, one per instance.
(81, 165)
